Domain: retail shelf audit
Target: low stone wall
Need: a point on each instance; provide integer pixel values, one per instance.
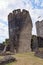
(7, 59)
(36, 42)
(39, 54)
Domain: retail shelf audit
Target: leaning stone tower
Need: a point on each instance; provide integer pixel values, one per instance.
(20, 30)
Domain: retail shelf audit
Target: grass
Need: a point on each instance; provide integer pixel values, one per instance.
(1, 57)
(26, 59)
(41, 49)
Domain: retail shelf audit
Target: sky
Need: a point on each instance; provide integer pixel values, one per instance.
(35, 8)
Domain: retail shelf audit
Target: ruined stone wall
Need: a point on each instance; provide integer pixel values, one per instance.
(39, 28)
(20, 30)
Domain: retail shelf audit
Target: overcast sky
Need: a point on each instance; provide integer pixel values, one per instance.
(35, 7)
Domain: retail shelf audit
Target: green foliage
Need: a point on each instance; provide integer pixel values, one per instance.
(34, 36)
(6, 42)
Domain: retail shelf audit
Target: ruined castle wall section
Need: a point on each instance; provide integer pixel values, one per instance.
(39, 28)
(20, 30)
(10, 23)
(25, 35)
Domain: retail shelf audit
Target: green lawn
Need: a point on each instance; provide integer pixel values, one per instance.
(26, 59)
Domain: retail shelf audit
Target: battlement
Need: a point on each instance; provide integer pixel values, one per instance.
(18, 13)
(10, 16)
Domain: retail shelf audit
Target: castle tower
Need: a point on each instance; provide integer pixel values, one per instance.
(39, 28)
(20, 30)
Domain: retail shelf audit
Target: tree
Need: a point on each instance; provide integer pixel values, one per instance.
(6, 44)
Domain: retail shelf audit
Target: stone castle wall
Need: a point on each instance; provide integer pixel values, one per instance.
(39, 28)
(20, 30)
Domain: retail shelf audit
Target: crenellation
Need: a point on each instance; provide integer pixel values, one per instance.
(10, 17)
(25, 11)
(16, 11)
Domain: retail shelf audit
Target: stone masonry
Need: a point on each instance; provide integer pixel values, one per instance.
(20, 30)
(39, 28)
